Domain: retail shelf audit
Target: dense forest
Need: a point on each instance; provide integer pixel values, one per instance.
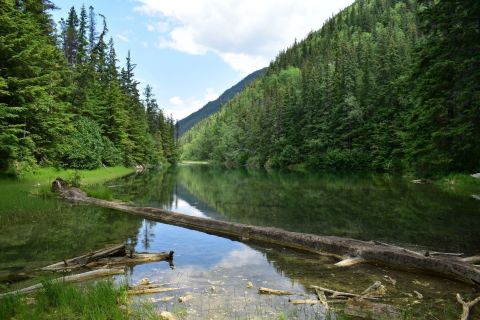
(63, 100)
(214, 106)
(385, 85)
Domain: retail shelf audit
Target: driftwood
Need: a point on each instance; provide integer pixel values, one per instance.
(275, 292)
(306, 301)
(345, 295)
(321, 297)
(73, 278)
(348, 262)
(466, 306)
(149, 290)
(377, 253)
(111, 256)
(472, 260)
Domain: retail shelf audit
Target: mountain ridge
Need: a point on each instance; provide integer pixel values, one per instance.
(213, 106)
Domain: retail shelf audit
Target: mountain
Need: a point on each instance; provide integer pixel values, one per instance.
(213, 106)
(385, 85)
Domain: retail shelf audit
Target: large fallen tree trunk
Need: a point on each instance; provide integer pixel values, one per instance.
(447, 266)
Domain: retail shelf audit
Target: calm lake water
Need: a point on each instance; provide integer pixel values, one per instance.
(36, 231)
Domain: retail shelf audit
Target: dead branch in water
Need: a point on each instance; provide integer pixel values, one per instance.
(111, 256)
(344, 295)
(275, 292)
(466, 306)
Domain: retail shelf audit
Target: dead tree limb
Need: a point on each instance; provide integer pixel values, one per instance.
(275, 292)
(112, 256)
(466, 306)
(348, 262)
(340, 294)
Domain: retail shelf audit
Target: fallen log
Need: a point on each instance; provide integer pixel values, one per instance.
(73, 278)
(87, 258)
(376, 253)
(275, 292)
(112, 256)
(471, 260)
(140, 290)
(306, 301)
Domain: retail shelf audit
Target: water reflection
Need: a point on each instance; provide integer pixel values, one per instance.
(216, 270)
(35, 232)
(368, 207)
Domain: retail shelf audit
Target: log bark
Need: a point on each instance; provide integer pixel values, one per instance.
(73, 278)
(111, 256)
(87, 258)
(137, 290)
(375, 253)
(306, 301)
(275, 292)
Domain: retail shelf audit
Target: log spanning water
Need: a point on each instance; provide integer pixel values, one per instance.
(351, 250)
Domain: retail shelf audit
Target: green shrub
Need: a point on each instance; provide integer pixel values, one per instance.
(83, 149)
(111, 155)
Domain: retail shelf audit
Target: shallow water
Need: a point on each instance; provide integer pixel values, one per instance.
(35, 231)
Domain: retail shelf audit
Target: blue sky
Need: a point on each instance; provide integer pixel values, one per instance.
(190, 51)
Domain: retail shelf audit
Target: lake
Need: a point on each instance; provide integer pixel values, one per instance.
(36, 231)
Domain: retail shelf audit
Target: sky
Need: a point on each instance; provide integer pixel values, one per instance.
(191, 51)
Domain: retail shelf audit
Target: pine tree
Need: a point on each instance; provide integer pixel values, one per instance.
(71, 38)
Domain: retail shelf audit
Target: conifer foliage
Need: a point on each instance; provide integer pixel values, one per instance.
(385, 85)
(63, 100)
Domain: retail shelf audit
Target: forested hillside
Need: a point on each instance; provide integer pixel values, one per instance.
(385, 85)
(213, 106)
(64, 101)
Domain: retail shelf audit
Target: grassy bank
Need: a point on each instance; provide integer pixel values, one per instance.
(45, 176)
(102, 300)
(458, 183)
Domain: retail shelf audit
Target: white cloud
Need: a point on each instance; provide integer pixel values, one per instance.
(150, 27)
(176, 101)
(123, 37)
(211, 95)
(180, 108)
(245, 34)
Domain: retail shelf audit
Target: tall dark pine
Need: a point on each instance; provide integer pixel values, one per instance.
(444, 125)
(71, 38)
(92, 28)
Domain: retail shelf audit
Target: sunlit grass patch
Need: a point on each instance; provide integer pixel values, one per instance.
(101, 300)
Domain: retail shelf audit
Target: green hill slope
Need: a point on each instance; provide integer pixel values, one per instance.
(371, 90)
(213, 106)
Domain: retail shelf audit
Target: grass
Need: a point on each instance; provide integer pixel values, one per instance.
(100, 300)
(458, 183)
(45, 176)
